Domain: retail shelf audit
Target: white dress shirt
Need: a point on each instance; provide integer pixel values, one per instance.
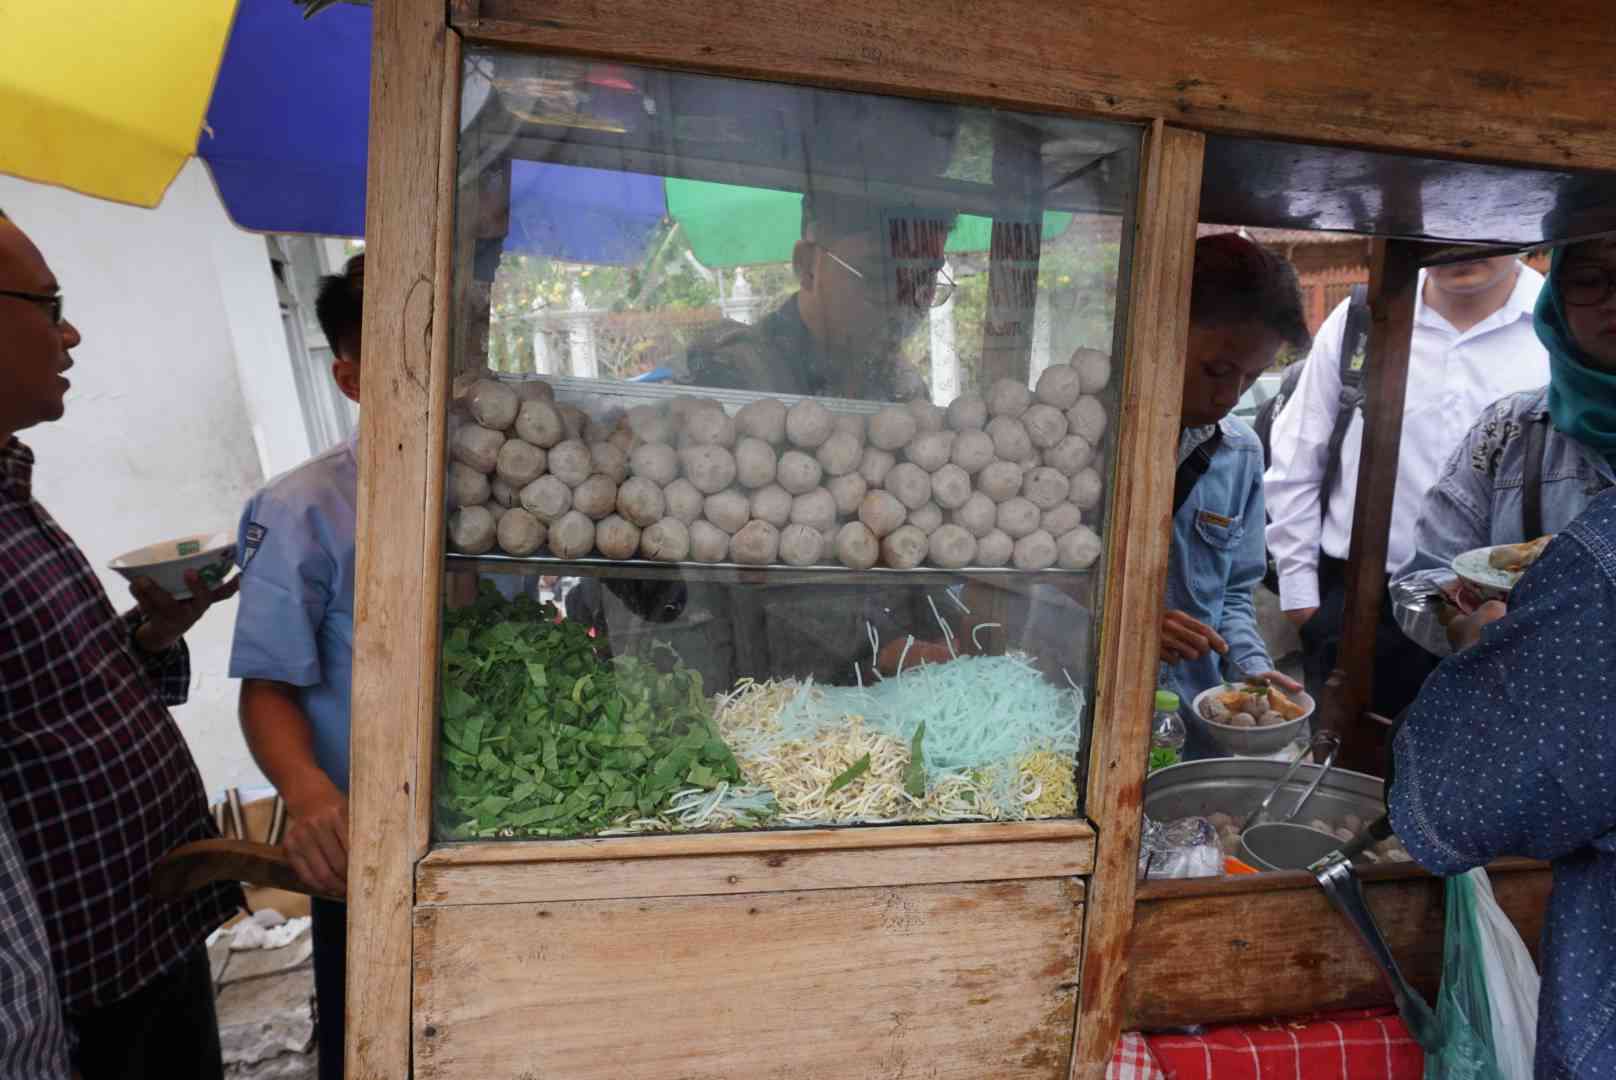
(1452, 377)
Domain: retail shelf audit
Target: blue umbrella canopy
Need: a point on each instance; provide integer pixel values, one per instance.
(287, 128)
(286, 138)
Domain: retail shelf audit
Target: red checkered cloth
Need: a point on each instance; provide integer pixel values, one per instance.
(94, 773)
(1365, 1044)
(1132, 1060)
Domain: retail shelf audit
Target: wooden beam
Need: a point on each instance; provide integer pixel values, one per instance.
(400, 469)
(1157, 333)
(763, 842)
(437, 466)
(1012, 275)
(1475, 80)
(609, 877)
(1393, 280)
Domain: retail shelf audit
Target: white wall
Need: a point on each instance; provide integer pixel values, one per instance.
(181, 330)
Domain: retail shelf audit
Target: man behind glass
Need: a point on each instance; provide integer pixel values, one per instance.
(839, 335)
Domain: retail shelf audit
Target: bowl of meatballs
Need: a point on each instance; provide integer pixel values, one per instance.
(1252, 717)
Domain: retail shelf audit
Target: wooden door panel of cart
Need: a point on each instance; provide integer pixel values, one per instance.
(944, 981)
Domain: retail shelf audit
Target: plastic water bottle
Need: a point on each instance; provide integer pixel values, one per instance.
(1167, 731)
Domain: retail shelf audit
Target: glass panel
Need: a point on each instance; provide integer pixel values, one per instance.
(779, 454)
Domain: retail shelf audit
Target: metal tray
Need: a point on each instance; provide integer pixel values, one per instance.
(623, 393)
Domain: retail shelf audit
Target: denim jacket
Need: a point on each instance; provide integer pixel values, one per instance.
(1477, 502)
(1217, 560)
(1508, 751)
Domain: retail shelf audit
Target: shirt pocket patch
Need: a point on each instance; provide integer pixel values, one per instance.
(1218, 531)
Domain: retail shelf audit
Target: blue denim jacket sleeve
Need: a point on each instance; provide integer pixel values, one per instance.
(1218, 559)
(1248, 654)
(1455, 518)
(1477, 503)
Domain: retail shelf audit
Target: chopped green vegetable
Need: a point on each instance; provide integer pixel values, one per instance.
(545, 736)
(1161, 757)
(914, 775)
(850, 774)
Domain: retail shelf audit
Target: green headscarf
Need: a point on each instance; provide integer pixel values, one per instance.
(1582, 398)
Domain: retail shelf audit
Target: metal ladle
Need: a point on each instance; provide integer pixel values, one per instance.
(1322, 739)
(1335, 875)
(1282, 846)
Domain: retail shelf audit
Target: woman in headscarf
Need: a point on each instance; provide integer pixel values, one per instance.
(1508, 749)
(1533, 461)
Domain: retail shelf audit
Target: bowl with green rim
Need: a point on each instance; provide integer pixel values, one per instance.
(167, 562)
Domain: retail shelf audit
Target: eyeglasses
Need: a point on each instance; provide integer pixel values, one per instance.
(921, 288)
(1587, 284)
(51, 302)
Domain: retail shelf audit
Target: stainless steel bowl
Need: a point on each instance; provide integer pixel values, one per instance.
(1235, 786)
(1283, 845)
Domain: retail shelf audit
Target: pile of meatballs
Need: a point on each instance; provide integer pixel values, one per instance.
(1004, 480)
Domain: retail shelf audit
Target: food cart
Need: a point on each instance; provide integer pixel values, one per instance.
(931, 945)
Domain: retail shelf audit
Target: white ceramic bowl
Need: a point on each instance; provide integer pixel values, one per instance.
(209, 554)
(1254, 740)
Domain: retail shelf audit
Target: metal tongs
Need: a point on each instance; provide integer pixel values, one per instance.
(1324, 739)
(1335, 875)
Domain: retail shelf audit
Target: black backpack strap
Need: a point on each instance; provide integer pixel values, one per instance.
(1354, 361)
(1268, 412)
(1536, 433)
(1194, 467)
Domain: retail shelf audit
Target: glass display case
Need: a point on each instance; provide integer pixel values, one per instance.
(778, 466)
(625, 249)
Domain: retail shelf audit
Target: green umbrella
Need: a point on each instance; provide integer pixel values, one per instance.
(727, 225)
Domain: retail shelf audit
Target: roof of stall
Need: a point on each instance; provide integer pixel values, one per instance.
(285, 130)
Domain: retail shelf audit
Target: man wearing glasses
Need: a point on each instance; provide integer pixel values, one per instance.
(95, 776)
(859, 299)
(869, 274)
(1472, 343)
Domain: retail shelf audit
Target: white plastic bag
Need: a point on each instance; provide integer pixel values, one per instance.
(1512, 983)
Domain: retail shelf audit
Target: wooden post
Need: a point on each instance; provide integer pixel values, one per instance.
(1393, 278)
(1013, 253)
(1012, 294)
(1141, 537)
(404, 383)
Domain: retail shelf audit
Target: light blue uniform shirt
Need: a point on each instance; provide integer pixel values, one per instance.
(1218, 558)
(294, 617)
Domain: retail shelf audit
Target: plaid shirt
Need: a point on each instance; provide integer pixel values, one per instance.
(94, 772)
(33, 1042)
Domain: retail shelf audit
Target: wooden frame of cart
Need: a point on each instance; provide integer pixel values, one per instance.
(949, 950)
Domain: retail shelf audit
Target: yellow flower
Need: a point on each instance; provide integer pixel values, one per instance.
(1064, 279)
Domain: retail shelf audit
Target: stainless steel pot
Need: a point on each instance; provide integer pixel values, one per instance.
(1235, 786)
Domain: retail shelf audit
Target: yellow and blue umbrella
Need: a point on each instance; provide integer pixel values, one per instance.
(106, 96)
